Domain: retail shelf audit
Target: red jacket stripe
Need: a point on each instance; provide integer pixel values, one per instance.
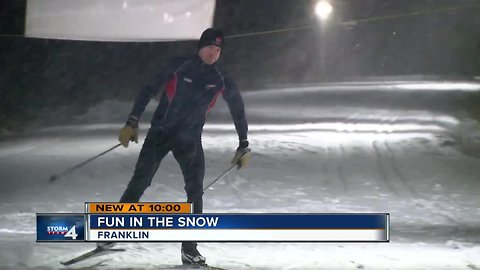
(212, 103)
(171, 87)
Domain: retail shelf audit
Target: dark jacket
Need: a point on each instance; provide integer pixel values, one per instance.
(191, 88)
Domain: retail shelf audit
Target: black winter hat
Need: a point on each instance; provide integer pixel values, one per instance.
(211, 36)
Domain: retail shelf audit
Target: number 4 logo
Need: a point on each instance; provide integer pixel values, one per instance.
(72, 233)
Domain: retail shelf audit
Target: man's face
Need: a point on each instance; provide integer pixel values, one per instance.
(210, 54)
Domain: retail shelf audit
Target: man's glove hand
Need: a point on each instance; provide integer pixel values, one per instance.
(243, 155)
(129, 132)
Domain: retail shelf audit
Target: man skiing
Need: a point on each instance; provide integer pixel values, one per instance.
(192, 86)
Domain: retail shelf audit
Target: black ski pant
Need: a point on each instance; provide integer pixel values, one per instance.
(189, 154)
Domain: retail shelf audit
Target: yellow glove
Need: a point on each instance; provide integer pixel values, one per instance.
(242, 157)
(127, 134)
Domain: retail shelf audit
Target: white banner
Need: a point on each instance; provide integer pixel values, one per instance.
(271, 235)
(118, 20)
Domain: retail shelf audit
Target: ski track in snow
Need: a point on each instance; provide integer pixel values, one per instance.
(430, 189)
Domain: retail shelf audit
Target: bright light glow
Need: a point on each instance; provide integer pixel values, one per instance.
(411, 127)
(323, 9)
(335, 127)
(439, 86)
(391, 86)
(167, 18)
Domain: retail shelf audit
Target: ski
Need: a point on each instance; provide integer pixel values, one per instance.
(208, 267)
(190, 267)
(202, 267)
(99, 251)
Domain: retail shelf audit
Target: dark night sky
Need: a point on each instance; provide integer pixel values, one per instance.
(40, 75)
(445, 43)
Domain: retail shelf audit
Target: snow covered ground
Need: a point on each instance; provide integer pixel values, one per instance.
(315, 149)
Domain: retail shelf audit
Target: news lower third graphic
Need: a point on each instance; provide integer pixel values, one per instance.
(61, 227)
(174, 222)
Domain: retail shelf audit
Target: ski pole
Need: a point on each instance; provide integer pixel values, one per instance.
(55, 177)
(226, 171)
(220, 177)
